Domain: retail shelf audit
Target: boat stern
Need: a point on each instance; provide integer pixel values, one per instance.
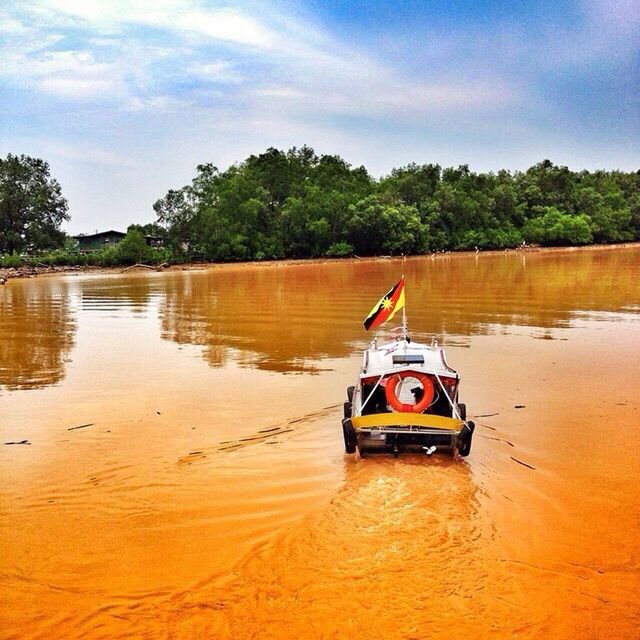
(406, 431)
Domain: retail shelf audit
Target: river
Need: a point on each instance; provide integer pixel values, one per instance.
(184, 473)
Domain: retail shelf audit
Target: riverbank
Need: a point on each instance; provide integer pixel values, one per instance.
(29, 271)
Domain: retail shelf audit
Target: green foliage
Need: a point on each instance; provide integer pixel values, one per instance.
(122, 254)
(340, 249)
(298, 204)
(133, 248)
(557, 228)
(31, 206)
(10, 260)
(149, 229)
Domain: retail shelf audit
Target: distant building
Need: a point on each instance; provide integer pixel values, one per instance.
(154, 241)
(96, 241)
(88, 242)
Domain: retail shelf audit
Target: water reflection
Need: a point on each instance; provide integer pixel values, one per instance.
(37, 330)
(124, 293)
(275, 318)
(286, 318)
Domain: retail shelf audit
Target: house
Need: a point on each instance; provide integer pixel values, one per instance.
(96, 241)
(157, 242)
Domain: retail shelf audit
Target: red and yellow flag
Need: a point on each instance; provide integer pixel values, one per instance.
(387, 306)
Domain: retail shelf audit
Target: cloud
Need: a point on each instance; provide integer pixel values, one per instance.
(79, 152)
(10, 26)
(78, 88)
(67, 74)
(226, 25)
(274, 46)
(157, 104)
(216, 71)
(386, 97)
(174, 15)
(164, 85)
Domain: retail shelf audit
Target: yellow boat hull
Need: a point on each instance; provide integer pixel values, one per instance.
(420, 420)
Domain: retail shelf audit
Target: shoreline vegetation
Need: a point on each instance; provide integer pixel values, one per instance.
(295, 204)
(32, 271)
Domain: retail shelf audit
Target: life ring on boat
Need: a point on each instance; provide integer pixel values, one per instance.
(418, 407)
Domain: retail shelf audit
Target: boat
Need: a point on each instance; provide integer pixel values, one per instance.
(406, 397)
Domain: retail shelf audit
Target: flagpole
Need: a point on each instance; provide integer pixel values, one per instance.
(404, 314)
(404, 306)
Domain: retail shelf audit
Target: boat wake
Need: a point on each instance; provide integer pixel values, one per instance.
(269, 435)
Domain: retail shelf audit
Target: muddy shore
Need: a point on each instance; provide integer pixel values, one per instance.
(7, 274)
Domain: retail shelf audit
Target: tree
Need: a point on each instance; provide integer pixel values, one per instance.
(150, 229)
(177, 212)
(32, 207)
(376, 227)
(133, 248)
(557, 228)
(300, 204)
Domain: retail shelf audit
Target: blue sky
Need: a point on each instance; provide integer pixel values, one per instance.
(124, 98)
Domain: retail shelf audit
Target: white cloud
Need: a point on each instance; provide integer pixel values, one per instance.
(291, 64)
(10, 26)
(156, 103)
(78, 152)
(67, 74)
(106, 15)
(281, 93)
(216, 71)
(74, 63)
(226, 25)
(79, 88)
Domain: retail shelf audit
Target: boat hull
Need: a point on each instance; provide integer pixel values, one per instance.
(401, 440)
(403, 432)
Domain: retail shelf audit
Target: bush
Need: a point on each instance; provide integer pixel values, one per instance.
(107, 257)
(557, 228)
(339, 250)
(10, 260)
(133, 248)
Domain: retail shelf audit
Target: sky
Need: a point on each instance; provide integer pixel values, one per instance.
(124, 98)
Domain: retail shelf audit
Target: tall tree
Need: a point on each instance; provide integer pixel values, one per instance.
(298, 204)
(32, 207)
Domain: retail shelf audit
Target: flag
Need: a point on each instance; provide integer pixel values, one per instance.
(387, 306)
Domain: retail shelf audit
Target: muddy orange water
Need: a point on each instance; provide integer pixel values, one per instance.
(185, 476)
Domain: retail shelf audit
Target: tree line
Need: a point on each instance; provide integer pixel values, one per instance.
(297, 204)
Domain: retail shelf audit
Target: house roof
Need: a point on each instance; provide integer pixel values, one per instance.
(101, 234)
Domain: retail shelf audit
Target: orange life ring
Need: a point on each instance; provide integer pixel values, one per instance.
(418, 407)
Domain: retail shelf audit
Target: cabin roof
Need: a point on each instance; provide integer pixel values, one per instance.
(99, 234)
(379, 360)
